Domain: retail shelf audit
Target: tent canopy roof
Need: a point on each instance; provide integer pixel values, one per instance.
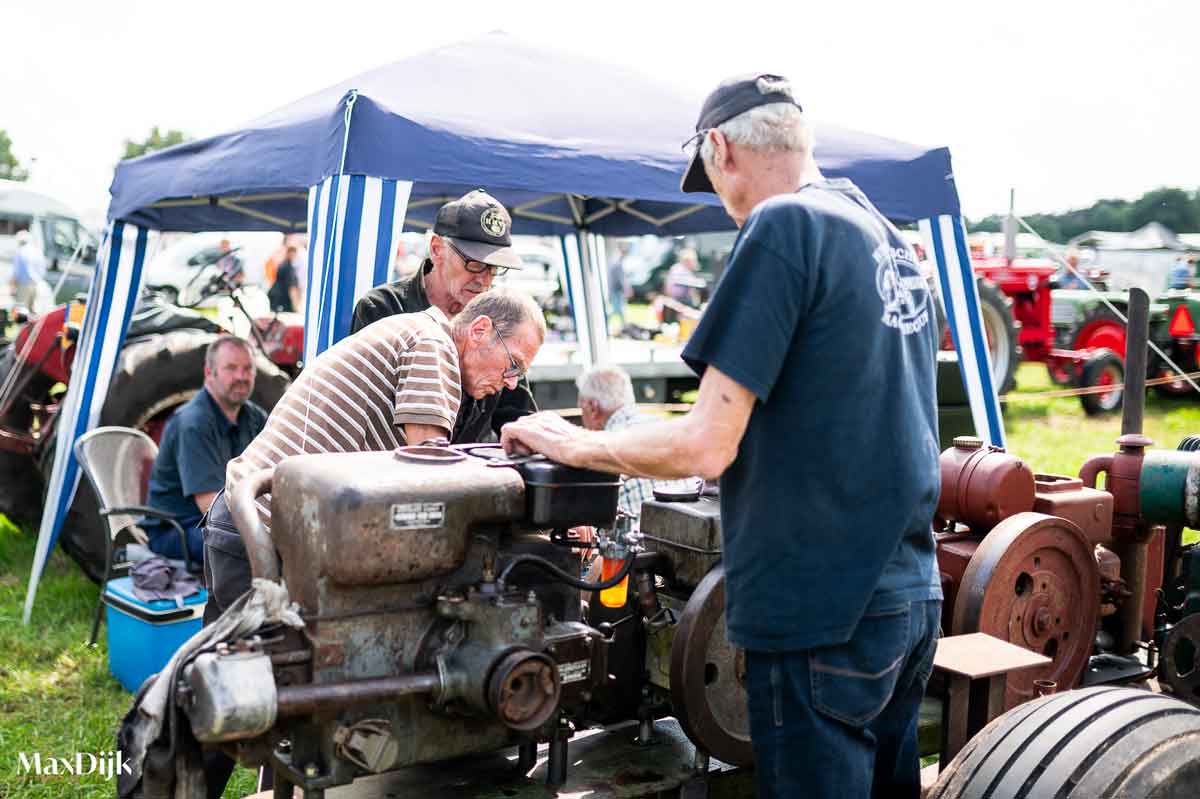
(1152, 236)
(567, 138)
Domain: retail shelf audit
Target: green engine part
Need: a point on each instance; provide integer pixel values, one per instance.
(1170, 487)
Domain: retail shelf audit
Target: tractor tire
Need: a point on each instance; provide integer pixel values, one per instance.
(1104, 366)
(1092, 742)
(155, 375)
(1003, 333)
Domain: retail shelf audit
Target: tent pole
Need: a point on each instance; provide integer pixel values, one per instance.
(593, 300)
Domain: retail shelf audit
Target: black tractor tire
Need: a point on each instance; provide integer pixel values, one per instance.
(1101, 363)
(155, 375)
(20, 481)
(1093, 742)
(1002, 330)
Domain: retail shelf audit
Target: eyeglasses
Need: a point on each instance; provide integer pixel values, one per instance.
(475, 267)
(514, 369)
(693, 144)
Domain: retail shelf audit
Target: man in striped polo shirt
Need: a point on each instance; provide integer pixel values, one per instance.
(398, 381)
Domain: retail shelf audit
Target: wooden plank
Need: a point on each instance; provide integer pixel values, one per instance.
(976, 655)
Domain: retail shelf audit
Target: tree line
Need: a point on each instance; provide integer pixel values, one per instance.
(11, 168)
(1178, 209)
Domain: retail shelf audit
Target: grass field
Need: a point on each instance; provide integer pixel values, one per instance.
(57, 697)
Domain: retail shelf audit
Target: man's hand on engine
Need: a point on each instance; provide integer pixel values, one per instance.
(546, 433)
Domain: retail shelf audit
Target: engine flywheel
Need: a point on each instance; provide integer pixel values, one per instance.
(1181, 659)
(1033, 582)
(707, 676)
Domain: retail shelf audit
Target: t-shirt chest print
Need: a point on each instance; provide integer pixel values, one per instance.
(904, 292)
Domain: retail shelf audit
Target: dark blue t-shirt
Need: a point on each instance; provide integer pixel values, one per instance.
(827, 509)
(199, 440)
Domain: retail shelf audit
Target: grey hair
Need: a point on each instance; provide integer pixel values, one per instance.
(210, 354)
(609, 386)
(507, 308)
(779, 127)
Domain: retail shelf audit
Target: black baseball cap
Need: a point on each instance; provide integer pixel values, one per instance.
(479, 227)
(734, 96)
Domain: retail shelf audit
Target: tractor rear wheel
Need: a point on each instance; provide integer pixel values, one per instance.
(154, 376)
(1002, 331)
(1101, 328)
(1111, 742)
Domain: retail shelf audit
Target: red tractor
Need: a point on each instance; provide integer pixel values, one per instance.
(1074, 332)
(160, 367)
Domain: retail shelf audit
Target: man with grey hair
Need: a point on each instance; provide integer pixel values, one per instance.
(606, 402)
(211, 429)
(817, 410)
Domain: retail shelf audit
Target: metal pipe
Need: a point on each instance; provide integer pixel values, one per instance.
(1136, 343)
(1133, 572)
(303, 700)
(260, 549)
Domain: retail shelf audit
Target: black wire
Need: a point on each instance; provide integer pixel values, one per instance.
(564, 577)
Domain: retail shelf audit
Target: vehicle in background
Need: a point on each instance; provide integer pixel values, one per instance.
(184, 265)
(55, 229)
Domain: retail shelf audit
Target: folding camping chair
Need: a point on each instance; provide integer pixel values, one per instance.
(117, 462)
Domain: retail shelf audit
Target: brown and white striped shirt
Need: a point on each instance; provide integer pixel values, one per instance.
(357, 395)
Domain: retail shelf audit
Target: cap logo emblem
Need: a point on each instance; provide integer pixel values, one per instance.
(770, 84)
(493, 223)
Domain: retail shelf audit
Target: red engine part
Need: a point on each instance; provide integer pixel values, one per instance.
(1068, 498)
(45, 348)
(283, 338)
(982, 486)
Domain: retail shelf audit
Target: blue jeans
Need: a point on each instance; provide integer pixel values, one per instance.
(841, 721)
(165, 542)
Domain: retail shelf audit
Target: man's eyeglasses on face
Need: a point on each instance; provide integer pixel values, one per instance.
(514, 369)
(477, 268)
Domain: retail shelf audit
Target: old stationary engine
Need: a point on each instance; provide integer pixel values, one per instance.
(444, 616)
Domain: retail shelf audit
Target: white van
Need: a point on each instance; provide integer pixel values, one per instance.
(54, 227)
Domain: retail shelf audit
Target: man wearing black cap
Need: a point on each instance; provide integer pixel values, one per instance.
(471, 245)
(817, 410)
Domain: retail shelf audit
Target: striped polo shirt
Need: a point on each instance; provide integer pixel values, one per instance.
(357, 395)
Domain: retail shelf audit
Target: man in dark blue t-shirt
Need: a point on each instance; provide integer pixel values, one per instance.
(211, 429)
(817, 409)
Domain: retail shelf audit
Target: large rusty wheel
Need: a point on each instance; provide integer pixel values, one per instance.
(707, 676)
(1033, 582)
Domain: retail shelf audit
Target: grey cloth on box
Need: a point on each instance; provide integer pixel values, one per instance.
(155, 578)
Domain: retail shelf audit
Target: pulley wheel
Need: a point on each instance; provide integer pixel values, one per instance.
(707, 676)
(1033, 582)
(1181, 659)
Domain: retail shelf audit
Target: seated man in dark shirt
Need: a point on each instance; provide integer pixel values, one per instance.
(200, 439)
(471, 245)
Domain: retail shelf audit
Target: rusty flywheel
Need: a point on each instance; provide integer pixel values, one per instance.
(1033, 582)
(707, 676)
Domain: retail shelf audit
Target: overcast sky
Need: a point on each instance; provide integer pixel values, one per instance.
(1064, 101)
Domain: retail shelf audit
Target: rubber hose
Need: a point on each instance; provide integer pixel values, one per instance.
(563, 576)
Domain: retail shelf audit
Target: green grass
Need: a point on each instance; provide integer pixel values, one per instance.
(1054, 436)
(56, 694)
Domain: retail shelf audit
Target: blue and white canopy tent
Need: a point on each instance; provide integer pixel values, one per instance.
(571, 146)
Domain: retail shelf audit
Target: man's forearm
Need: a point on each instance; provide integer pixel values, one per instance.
(665, 450)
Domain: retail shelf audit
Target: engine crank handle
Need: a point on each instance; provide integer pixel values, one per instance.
(260, 549)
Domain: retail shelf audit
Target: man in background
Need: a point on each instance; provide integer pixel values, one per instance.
(211, 429)
(284, 293)
(606, 402)
(29, 270)
(618, 283)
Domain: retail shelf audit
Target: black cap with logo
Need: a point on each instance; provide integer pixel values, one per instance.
(480, 228)
(734, 96)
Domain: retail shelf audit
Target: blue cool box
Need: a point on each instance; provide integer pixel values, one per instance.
(142, 636)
